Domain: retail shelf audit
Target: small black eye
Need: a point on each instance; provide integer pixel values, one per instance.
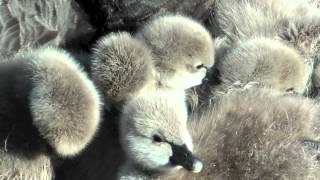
(290, 89)
(200, 66)
(157, 138)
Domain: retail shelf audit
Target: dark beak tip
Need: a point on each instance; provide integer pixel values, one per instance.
(183, 157)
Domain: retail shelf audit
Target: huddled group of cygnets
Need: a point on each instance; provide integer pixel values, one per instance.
(239, 105)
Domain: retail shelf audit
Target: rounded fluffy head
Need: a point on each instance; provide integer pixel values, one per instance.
(264, 62)
(151, 124)
(121, 66)
(182, 49)
(255, 134)
(64, 103)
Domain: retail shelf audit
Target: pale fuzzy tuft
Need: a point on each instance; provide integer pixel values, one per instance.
(262, 62)
(121, 66)
(65, 105)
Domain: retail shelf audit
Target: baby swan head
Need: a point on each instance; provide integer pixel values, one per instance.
(182, 50)
(154, 133)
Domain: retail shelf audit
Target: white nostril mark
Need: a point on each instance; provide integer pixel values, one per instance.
(197, 166)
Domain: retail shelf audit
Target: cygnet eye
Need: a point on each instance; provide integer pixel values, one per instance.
(200, 66)
(290, 89)
(156, 138)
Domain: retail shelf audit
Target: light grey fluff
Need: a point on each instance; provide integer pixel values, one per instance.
(64, 103)
(121, 65)
(261, 62)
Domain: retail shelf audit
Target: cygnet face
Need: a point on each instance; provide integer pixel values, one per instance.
(154, 134)
(191, 76)
(182, 50)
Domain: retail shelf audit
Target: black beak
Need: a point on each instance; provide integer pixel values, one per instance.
(206, 78)
(183, 157)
